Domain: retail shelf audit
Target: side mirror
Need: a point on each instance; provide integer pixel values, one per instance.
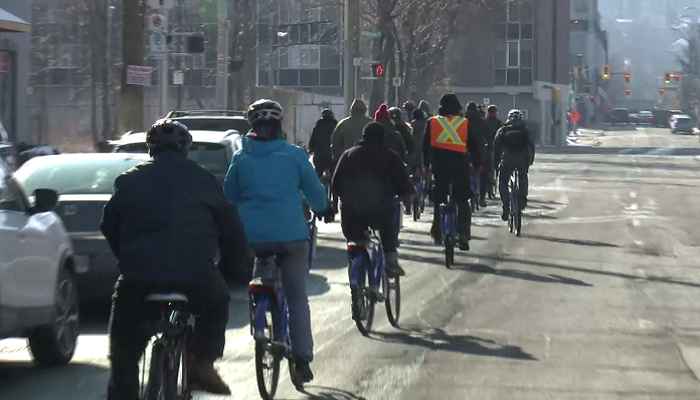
(45, 200)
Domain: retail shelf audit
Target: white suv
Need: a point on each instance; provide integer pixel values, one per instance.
(38, 293)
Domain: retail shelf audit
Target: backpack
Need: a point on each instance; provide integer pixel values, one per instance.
(515, 138)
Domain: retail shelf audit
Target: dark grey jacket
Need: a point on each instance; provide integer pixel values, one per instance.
(513, 146)
(166, 220)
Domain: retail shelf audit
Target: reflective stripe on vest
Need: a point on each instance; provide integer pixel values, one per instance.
(449, 133)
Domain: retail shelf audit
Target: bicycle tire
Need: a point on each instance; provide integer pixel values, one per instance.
(363, 295)
(416, 209)
(264, 347)
(449, 251)
(519, 220)
(172, 373)
(392, 285)
(156, 372)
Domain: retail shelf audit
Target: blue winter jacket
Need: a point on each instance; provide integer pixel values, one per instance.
(266, 181)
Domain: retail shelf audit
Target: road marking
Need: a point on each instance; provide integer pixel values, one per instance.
(547, 345)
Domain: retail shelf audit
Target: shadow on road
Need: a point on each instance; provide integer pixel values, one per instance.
(625, 164)
(328, 257)
(439, 340)
(316, 285)
(518, 274)
(314, 392)
(633, 151)
(24, 380)
(576, 242)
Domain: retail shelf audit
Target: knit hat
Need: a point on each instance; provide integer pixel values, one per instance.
(382, 113)
(373, 133)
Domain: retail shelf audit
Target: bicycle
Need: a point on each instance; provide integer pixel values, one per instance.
(448, 227)
(475, 183)
(169, 358)
(368, 262)
(326, 179)
(515, 219)
(418, 200)
(269, 325)
(313, 237)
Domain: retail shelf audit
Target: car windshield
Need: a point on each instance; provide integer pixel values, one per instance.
(215, 124)
(73, 176)
(211, 156)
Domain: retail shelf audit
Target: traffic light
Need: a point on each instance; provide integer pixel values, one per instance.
(377, 70)
(627, 77)
(677, 76)
(667, 78)
(605, 73)
(628, 91)
(661, 91)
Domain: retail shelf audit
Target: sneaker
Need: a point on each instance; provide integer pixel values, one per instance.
(203, 377)
(505, 214)
(392, 265)
(482, 202)
(302, 370)
(464, 244)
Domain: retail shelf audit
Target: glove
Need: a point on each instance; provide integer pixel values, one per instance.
(328, 215)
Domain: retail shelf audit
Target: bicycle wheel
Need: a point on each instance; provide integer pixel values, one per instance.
(392, 287)
(449, 251)
(362, 302)
(518, 218)
(416, 207)
(155, 388)
(267, 361)
(174, 372)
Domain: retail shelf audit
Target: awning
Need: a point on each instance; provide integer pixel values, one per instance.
(12, 23)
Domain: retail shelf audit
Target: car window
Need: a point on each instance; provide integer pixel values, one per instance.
(213, 157)
(216, 124)
(74, 176)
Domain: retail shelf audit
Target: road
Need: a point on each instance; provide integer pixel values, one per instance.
(600, 298)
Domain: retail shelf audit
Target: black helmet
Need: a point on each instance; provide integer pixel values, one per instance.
(264, 111)
(168, 135)
(327, 114)
(408, 105)
(395, 113)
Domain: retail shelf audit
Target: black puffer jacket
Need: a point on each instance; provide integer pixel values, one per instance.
(478, 132)
(166, 220)
(320, 142)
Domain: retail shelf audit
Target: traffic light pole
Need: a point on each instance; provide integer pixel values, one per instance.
(351, 50)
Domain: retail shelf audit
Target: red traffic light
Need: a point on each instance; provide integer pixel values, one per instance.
(628, 91)
(677, 77)
(377, 70)
(661, 90)
(627, 77)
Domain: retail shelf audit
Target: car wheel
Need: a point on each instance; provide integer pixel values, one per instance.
(55, 344)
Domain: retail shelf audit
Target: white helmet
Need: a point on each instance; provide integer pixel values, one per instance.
(264, 110)
(515, 114)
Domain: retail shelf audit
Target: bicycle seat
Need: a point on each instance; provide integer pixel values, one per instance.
(167, 298)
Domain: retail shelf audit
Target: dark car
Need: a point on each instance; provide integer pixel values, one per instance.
(84, 183)
(644, 118)
(620, 116)
(661, 118)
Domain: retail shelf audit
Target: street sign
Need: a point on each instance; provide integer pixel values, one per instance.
(396, 81)
(138, 75)
(371, 34)
(158, 23)
(158, 46)
(178, 78)
(357, 62)
(575, 117)
(487, 101)
(161, 4)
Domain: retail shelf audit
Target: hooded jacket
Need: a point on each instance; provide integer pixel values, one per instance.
(320, 142)
(478, 132)
(513, 146)
(445, 163)
(425, 107)
(418, 124)
(266, 181)
(349, 130)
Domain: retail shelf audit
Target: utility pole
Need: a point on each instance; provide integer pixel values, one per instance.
(164, 78)
(178, 66)
(222, 58)
(553, 135)
(131, 115)
(351, 50)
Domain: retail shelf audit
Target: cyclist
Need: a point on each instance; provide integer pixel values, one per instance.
(320, 142)
(349, 129)
(424, 106)
(403, 129)
(513, 148)
(478, 131)
(266, 179)
(493, 124)
(419, 122)
(164, 223)
(367, 178)
(447, 147)
(392, 138)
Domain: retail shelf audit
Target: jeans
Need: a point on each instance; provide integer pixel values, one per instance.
(293, 259)
(355, 224)
(128, 337)
(503, 182)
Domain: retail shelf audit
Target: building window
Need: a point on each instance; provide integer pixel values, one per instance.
(513, 54)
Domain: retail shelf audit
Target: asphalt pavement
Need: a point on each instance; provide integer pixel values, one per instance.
(597, 300)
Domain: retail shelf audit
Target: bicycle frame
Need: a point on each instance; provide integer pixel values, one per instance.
(417, 181)
(312, 241)
(260, 296)
(374, 254)
(449, 222)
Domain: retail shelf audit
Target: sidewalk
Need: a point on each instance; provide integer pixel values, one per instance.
(585, 136)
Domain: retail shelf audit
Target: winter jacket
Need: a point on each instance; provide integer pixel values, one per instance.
(166, 220)
(416, 159)
(349, 130)
(425, 107)
(394, 140)
(478, 132)
(320, 142)
(513, 146)
(266, 181)
(405, 131)
(493, 124)
(369, 176)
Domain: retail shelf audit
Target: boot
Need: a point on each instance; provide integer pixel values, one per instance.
(392, 265)
(506, 213)
(464, 243)
(302, 369)
(482, 202)
(203, 377)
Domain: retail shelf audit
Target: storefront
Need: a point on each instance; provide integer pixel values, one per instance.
(14, 59)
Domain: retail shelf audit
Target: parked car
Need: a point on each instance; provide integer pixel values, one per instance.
(620, 116)
(644, 118)
(211, 120)
(681, 124)
(84, 183)
(38, 290)
(213, 150)
(661, 118)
